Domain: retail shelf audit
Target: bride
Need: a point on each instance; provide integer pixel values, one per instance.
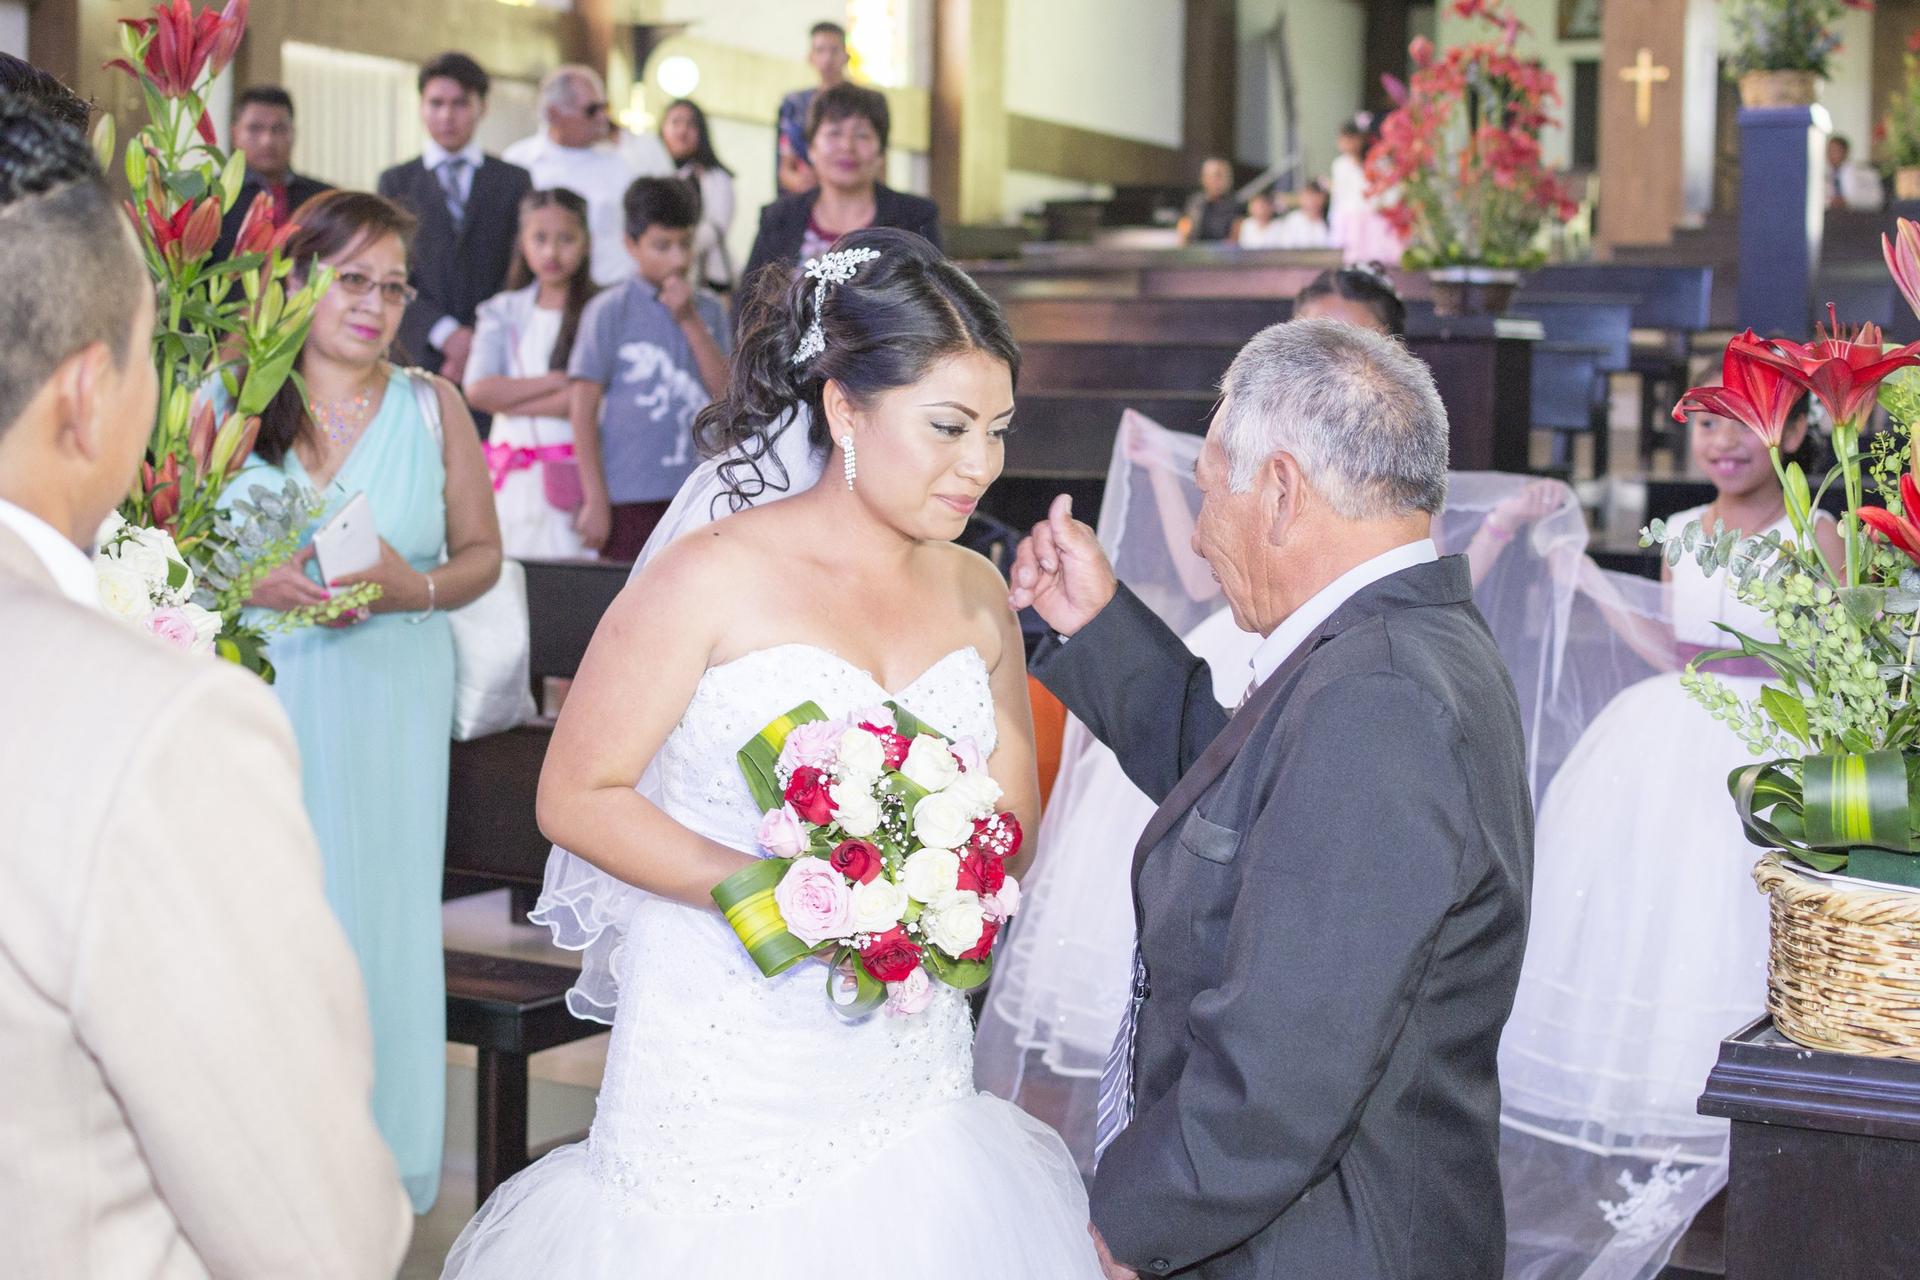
(744, 1127)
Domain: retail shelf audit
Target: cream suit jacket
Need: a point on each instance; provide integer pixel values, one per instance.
(185, 1057)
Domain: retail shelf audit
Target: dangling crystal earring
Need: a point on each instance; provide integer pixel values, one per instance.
(846, 457)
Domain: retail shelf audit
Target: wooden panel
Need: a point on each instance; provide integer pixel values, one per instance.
(1086, 155)
(1121, 366)
(1143, 320)
(1071, 435)
(1210, 61)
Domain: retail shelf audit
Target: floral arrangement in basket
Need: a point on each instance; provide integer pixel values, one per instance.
(1786, 35)
(1459, 156)
(1899, 129)
(225, 338)
(1841, 718)
(887, 857)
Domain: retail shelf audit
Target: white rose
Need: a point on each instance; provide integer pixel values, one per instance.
(942, 821)
(206, 626)
(145, 558)
(855, 809)
(954, 923)
(878, 905)
(930, 764)
(109, 529)
(123, 592)
(861, 755)
(931, 874)
(977, 791)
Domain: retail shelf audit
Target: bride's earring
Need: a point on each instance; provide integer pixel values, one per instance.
(846, 457)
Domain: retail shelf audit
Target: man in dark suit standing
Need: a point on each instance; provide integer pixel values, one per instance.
(468, 204)
(1332, 898)
(263, 132)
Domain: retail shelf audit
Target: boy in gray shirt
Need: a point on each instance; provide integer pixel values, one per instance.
(650, 354)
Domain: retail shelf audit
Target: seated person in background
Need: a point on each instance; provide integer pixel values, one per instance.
(650, 354)
(1212, 213)
(1850, 185)
(187, 1052)
(1304, 227)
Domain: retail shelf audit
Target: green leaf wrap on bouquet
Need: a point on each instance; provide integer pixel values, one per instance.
(1828, 809)
(758, 758)
(868, 992)
(746, 899)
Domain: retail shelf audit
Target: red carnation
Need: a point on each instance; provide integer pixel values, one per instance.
(856, 860)
(981, 949)
(891, 742)
(981, 873)
(892, 955)
(807, 793)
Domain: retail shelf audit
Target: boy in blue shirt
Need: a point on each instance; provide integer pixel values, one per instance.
(650, 354)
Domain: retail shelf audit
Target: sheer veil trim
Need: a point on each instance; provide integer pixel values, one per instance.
(584, 908)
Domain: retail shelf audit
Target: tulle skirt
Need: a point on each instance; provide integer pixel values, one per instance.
(979, 1189)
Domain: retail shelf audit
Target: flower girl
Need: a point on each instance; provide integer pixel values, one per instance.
(518, 373)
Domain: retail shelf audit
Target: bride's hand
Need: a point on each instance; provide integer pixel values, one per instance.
(1061, 571)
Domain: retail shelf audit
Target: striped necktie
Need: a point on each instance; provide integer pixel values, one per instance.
(1115, 1110)
(452, 170)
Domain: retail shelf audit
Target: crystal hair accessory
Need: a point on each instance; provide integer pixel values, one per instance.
(829, 268)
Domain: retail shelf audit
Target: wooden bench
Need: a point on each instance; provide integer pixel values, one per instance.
(508, 1010)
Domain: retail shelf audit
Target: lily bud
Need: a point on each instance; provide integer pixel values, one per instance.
(136, 166)
(234, 443)
(226, 39)
(200, 435)
(103, 140)
(202, 230)
(232, 178)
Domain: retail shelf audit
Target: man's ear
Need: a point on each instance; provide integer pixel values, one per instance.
(1283, 496)
(77, 387)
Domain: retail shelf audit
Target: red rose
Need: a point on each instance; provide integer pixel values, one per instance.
(891, 742)
(981, 949)
(981, 873)
(996, 837)
(807, 793)
(892, 955)
(856, 860)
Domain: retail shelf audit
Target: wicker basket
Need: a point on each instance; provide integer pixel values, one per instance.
(1843, 969)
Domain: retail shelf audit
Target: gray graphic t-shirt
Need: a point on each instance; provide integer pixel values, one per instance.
(631, 345)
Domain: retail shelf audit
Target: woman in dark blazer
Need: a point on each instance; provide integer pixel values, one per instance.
(847, 143)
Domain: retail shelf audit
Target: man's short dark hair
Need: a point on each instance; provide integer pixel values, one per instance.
(68, 275)
(828, 29)
(661, 202)
(22, 79)
(460, 69)
(265, 95)
(843, 102)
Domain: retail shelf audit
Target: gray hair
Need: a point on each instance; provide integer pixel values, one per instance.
(1355, 408)
(560, 87)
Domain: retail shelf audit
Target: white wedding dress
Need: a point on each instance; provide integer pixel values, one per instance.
(746, 1129)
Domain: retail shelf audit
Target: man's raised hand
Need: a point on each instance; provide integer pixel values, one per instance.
(1061, 571)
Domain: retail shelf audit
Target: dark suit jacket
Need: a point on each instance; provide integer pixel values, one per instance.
(1332, 902)
(300, 189)
(783, 224)
(455, 274)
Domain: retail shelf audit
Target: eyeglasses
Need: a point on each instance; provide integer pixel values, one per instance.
(392, 292)
(593, 109)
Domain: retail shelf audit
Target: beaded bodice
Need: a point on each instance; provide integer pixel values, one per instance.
(725, 1090)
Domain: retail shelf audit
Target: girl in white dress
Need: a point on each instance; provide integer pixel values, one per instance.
(1648, 941)
(744, 1128)
(518, 372)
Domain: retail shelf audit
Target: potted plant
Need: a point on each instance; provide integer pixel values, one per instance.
(1459, 164)
(1900, 127)
(181, 559)
(1835, 802)
(1781, 48)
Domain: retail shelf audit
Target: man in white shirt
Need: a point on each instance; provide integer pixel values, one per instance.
(1850, 185)
(183, 1035)
(581, 149)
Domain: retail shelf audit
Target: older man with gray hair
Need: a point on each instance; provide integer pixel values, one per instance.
(582, 149)
(1332, 897)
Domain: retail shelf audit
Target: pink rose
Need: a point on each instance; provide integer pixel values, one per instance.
(815, 901)
(878, 716)
(1004, 901)
(172, 625)
(781, 834)
(812, 745)
(967, 752)
(911, 995)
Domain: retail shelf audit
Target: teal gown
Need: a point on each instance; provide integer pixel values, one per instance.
(372, 707)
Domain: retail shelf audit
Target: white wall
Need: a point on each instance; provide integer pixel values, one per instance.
(1326, 41)
(1848, 92)
(1109, 65)
(13, 27)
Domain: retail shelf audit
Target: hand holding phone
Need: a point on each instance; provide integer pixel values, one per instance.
(348, 543)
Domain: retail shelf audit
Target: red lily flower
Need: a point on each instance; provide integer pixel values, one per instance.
(163, 490)
(1903, 531)
(1753, 391)
(1903, 257)
(189, 235)
(181, 44)
(1843, 371)
(257, 232)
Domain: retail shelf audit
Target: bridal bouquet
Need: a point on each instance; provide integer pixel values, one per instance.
(886, 851)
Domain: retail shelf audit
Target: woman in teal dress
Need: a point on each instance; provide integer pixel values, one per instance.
(371, 700)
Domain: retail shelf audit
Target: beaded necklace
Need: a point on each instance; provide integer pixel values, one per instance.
(343, 420)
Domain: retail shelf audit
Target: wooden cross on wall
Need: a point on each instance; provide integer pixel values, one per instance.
(1643, 75)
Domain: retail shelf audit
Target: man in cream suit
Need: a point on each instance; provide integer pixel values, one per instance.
(184, 1048)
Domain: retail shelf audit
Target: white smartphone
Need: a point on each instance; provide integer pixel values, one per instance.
(347, 543)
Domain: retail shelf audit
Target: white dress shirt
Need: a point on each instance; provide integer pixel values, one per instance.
(69, 566)
(1298, 625)
(600, 175)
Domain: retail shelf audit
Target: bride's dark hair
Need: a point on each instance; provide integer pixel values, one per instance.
(898, 316)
